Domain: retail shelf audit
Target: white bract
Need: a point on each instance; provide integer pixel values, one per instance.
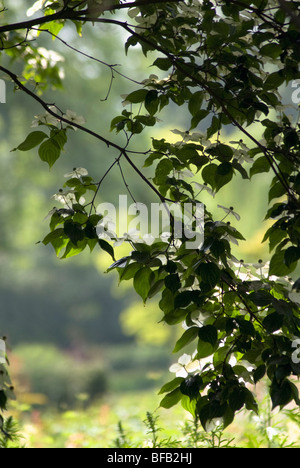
(76, 173)
(230, 211)
(45, 119)
(74, 118)
(132, 236)
(35, 7)
(185, 365)
(213, 424)
(66, 198)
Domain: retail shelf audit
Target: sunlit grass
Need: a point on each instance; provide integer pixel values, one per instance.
(98, 425)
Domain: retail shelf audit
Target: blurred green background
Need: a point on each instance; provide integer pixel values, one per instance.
(75, 334)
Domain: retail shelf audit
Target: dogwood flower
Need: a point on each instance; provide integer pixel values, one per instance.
(230, 211)
(35, 7)
(165, 236)
(262, 268)
(76, 173)
(148, 239)
(185, 365)
(73, 117)
(105, 228)
(45, 119)
(213, 424)
(204, 187)
(132, 236)
(66, 198)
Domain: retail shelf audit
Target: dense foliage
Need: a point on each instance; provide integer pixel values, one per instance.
(223, 64)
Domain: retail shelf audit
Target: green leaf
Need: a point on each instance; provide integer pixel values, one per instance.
(49, 152)
(276, 191)
(59, 137)
(208, 334)
(259, 373)
(142, 282)
(74, 231)
(208, 174)
(152, 102)
(291, 255)
(163, 63)
(260, 165)
(271, 50)
(273, 322)
(191, 386)
(198, 117)
(163, 168)
(183, 299)
(237, 398)
(72, 250)
(137, 96)
(278, 266)
(274, 80)
(214, 127)
(32, 140)
(172, 385)
(223, 175)
(53, 235)
(172, 282)
(246, 327)
(189, 405)
(261, 298)
(188, 336)
(107, 248)
(195, 102)
(281, 394)
(210, 273)
(171, 399)
(129, 271)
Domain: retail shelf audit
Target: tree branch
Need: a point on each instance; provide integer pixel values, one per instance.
(108, 143)
(70, 14)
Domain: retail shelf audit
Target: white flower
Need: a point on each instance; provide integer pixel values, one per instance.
(49, 57)
(35, 7)
(262, 268)
(213, 424)
(132, 236)
(77, 173)
(105, 229)
(74, 118)
(51, 212)
(66, 198)
(272, 432)
(201, 187)
(183, 174)
(165, 236)
(230, 211)
(133, 12)
(185, 365)
(198, 317)
(149, 239)
(242, 156)
(45, 119)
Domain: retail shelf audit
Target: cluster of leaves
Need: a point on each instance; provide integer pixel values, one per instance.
(242, 322)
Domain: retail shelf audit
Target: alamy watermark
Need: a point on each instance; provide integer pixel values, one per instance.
(296, 353)
(2, 92)
(160, 221)
(296, 92)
